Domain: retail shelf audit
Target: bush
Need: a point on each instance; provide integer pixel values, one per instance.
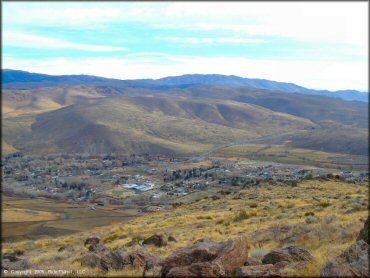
(324, 204)
(242, 215)
(311, 219)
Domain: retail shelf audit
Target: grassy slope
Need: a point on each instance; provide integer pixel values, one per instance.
(276, 218)
(285, 153)
(341, 125)
(147, 124)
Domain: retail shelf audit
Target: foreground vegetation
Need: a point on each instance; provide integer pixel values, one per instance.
(324, 216)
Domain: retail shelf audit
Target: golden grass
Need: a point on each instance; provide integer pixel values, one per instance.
(279, 215)
(25, 215)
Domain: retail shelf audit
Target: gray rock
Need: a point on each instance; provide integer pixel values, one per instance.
(353, 262)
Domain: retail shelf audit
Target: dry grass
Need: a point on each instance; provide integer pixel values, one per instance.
(25, 215)
(276, 222)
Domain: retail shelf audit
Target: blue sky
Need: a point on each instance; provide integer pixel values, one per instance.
(318, 45)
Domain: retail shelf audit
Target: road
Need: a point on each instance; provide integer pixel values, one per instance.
(279, 137)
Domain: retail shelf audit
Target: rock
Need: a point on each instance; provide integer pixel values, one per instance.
(141, 258)
(172, 238)
(288, 254)
(110, 260)
(364, 233)
(91, 260)
(69, 248)
(252, 261)
(157, 240)
(353, 262)
(14, 263)
(266, 270)
(206, 257)
(205, 269)
(155, 271)
(97, 248)
(115, 260)
(93, 240)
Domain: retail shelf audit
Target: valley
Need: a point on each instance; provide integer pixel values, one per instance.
(145, 169)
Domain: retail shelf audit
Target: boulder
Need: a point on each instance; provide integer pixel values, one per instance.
(157, 240)
(172, 238)
(364, 233)
(93, 240)
(97, 248)
(252, 261)
(91, 260)
(288, 254)
(206, 257)
(266, 270)
(14, 263)
(115, 260)
(353, 262)
(141, 258)
(206, 269)
(110, 260)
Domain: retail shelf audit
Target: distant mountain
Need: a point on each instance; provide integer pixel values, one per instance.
(25, 80)
(236, 81)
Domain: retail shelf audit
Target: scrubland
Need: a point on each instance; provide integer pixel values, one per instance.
(324, 216)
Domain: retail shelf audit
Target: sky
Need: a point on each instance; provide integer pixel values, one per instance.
(319, 45)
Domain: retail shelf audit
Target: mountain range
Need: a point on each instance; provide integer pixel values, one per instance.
(175, 115)
(20, 79)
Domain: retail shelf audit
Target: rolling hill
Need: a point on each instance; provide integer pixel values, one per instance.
(148, 125)
(179, 119)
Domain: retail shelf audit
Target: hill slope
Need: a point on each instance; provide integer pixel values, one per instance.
(147, 124)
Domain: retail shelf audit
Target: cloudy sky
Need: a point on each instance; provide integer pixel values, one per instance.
(321, 45)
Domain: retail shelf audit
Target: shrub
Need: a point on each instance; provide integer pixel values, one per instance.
(242, 215)
(218, 222)
(324, 204)
(311, 219)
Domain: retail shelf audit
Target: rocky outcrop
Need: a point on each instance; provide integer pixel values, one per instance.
(115, 260)
(206, 258)
(252, 261)
(99, 256)
(288, 254)
(13, 262)
(277, 263)
(205, 269)
(266, 270)
(364, 233)
(93, 240)
(141, 258)
(158, 240)
(353, 262)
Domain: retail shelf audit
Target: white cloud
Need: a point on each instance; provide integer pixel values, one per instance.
(312, 74)
(42, 42)
(336, 22)
(192, 40)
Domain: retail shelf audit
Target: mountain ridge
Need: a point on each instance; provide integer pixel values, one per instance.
(17, 79)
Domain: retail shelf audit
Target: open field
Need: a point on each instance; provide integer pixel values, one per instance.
(297, 156)
(313, 214)
(50, 217)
